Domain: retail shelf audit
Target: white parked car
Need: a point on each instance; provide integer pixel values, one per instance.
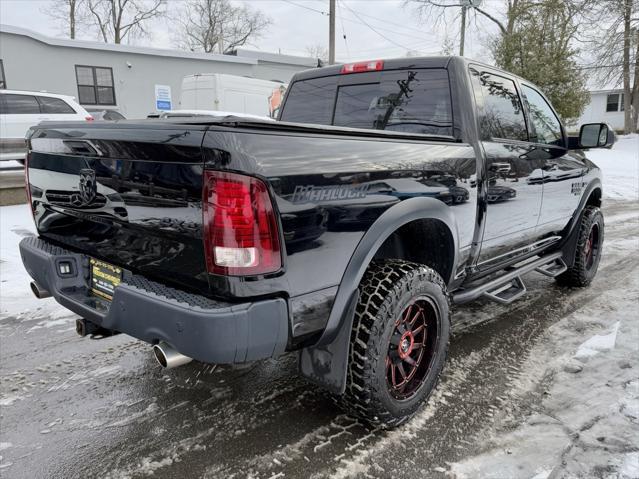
(20, 110)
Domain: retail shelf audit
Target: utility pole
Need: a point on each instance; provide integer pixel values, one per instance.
(331, 33)
(463, 30)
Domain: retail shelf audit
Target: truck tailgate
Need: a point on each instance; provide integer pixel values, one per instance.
(128, 195)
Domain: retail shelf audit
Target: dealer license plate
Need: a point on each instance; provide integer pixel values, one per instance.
(104, 278)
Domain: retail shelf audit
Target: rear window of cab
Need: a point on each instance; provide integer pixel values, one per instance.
(411, 100)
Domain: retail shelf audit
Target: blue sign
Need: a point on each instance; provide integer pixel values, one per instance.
(162, 97)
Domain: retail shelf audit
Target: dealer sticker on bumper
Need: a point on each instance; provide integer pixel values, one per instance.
(104, 278)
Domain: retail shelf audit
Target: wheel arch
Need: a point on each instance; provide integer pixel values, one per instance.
(594, 196)
(325, 362)
(426, 241)
(591, 197)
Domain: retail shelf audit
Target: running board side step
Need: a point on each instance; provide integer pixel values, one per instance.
(508, 292)
(553, 269)
(508, 287)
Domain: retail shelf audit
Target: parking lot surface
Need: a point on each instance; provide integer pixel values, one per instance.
(74, 407)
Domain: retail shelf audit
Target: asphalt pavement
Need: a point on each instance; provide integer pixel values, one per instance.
(74, 407)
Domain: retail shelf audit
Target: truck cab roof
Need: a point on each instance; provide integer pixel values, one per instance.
(440, 61)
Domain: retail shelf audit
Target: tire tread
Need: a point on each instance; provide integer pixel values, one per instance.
(382, 281)
(577, 274)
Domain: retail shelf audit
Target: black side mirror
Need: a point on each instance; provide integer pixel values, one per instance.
(596, 135)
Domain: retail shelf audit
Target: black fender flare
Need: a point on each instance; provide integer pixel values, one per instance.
(325, 362)
(569, 243)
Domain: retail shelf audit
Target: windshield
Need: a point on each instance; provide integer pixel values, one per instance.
(414, 101)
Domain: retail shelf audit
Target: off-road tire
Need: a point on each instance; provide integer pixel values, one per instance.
(386, 288)
(581, 273)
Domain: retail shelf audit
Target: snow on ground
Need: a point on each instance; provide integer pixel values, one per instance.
(620, 167)
(16, 299)
(587, 425)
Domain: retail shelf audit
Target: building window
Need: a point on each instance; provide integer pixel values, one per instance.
(3, 82)
(614, 102)
(95, 85)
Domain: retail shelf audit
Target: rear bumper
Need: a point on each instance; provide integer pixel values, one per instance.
(196, 326)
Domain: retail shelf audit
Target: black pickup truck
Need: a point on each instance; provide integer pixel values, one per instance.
(342, 231)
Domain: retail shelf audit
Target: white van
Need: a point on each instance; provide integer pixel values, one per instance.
(231, 93)
(20, 110)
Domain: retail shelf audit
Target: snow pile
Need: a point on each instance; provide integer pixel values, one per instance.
(598, 343)
(620, 168)
(16, 299)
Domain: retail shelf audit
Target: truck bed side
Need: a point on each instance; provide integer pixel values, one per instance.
(329, 186)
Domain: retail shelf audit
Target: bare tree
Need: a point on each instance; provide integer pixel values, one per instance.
(448, 46)
(118, 19)
(318, 51)
(635, 87)
(614, 41)
(218, 25)
(510, 11)
(70, 14)
(437, 8)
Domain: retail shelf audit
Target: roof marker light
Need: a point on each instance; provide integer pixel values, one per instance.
(359, 67)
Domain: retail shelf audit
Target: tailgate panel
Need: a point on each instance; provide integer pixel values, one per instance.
(137, 205)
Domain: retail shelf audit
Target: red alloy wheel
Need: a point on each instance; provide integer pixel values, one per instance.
(591, 248)
(411, 348)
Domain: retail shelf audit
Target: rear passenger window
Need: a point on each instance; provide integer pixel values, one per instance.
(19, 105)
(310, 101)
(501, 110)
(55, 105)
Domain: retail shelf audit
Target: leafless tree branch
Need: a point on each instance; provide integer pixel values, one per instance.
(218, 25)
(71, 15)
(118, 20)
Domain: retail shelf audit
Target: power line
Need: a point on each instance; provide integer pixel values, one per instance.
(361, 22)
(369, 26)
(414, 47)
(387, 22)
(348, 55)
(306, 7)
(390, 23)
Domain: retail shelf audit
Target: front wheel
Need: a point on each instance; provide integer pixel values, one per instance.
(587, 251)
(398, 343)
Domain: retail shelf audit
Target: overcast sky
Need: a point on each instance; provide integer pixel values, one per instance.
(373, 28)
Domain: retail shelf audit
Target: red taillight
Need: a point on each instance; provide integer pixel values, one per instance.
(360, 67)
(240, 229)
(89, 118)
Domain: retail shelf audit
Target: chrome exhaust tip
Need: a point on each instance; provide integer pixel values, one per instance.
(168, 357)
(38, 291)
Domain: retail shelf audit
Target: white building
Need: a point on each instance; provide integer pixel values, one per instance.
(123, 77)
(606, 106)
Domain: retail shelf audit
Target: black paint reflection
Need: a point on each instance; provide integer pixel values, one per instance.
(330, 190)
(145, 216)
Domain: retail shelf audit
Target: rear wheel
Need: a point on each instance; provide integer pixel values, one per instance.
(587, 251)
(398, 342)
